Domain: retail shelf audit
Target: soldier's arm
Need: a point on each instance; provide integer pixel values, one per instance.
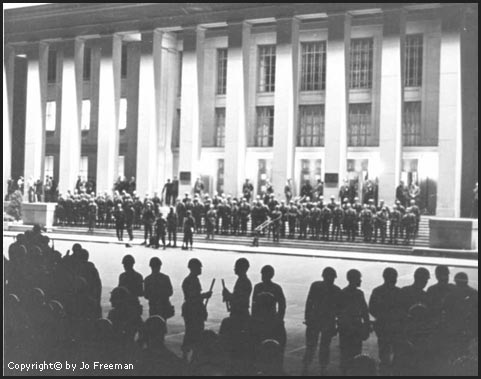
(282, 304)
(309, 303)
(169, 289)
(374, 304)
(140, 286)
(254, 297)
(364, 309)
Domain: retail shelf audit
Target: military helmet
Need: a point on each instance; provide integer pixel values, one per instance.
(194, 262)
(128, 259)
(329, 272)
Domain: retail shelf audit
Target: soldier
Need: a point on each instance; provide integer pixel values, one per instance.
(409, 222)
(276, 217)
(350, 222)
(193, 309)
(129, 219)
(102, 210)
(304, 216)
(172, 227)
(400, 189)
(247, 189)
(226, 216)
(394, 222)
(357, 206)
(380, 224)
(138, 205)
(131, 279)
(321, 310)
(315, 222)
(197, 214)
(353, 320)
(332, 204)
(180, 210)
(417, 213)
(288, 190)
(438, 292)
(384, 305)
(415, 293)
(306, 189)
(160, 226)
(284, 209)
(326, 216)
(119, 216)
(110, 209)
(210, 222)
(148, 218)
(158, 290)
(239, 299)
(175, 189)
(337, 220)
(345, 190)
(372, 207)
(366, 223)
(291, 219)
(401, 210)
(168, 192)
(235, 212)
(92, 215)
(189, 227)
(156, 201)
(125, 314)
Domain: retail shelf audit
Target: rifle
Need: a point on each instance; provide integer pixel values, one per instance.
(210, 290)
(227, 302)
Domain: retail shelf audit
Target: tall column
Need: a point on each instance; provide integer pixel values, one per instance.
(450, 120)
(109, 99)
(336, 99)
(166, 72)
(35, 117)
(8, 67)
(70, 120)
(285, 103)
(391, 105)
(236, 106)
(192, 67)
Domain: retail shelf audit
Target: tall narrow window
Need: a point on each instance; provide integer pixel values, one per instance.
(49, 159)
(50, 116)
(412, 124)
(84, 167)
(413, 60)
(220, 127)
(267, 68)
(123, 62)
(121, 165)
(87, 63)
(52, 66)
(265, 127)
(85, 125)
(360, 131)
(221, 71)
(360, 63)
(220, 176)
(123, 114)
(313, 66)
(310, 131)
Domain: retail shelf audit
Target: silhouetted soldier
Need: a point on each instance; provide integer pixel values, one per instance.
(438, 292)
(385, 306)
(131, 279)
(175, 189)
(322, 308)
(239, 299)
(350, 222)
(158, 290)
(189, 226)
(160, 231)
(415, 294)
(89, 272)
(353, 320)
(148, 218)
(337, 219)
(172, 223)
(119, 216)
(125, 314)
(197, 214)
(394, 222)
(268, 286)
(193, 309)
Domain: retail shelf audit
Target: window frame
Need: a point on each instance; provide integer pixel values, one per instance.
(264, 134)
(308, 74)
(361, 63)
(316, 134)
(266, 81)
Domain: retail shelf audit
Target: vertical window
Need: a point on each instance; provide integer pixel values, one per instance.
(221, 71)
(84, 167)
(220, 127)
(360, 63)
(50, 116)
(313, 66)
(412, 123)
(413, 60)
(265, 126)
(121, 165)
(49, 166)
(85, 125)
(360, 131)
(179, 89)
(52, 66)
(123, 63)
(123, 114)
(310, 131)
(267, 68)
(220, 176)
(87, 63)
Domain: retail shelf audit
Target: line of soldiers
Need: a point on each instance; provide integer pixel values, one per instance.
(225, 215)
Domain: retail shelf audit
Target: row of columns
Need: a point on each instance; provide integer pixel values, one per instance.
(157, 87)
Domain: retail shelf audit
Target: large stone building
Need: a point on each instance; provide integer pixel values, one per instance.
(266, 91)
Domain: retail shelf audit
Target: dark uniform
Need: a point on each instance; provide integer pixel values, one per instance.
(148, 219)
(366, 224)
(160, 227)
(210, 222)
(380, 224)
(197, 209)
(158, 290)
(133, 281)
(129, 219)
(276, 217)
(350, 223)
(180, 210)
(92, 215)
(189, 226)
(235, 214)
(172, 227)
(337, 220)
(394, 222)
(304, 216)
(291, 219)
(409, 222)
(119, 216)
(315, 222)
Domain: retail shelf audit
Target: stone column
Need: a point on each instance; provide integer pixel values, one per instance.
(8, 71)
(35, 117)
(236, 106)
(70, 138)
(109, 99)
(336, 108)
(192, 67)
(450, 118)
(285, 103)
(390, 143)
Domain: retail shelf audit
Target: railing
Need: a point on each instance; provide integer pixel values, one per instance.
(261, 227)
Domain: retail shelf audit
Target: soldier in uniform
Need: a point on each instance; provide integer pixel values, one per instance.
(172, 227)
(315, 222)
(276, 217)
(235, 214)
(401, 210)
(168, 192)
(148, 218)
(129, 218)
(353, 322)
(110, 209)
(337, 220)
(332, 204)
(380, 224)
(244, 212)
(350, 222)
(226, 216)
(175, 189)
(372, 207)
(409, 222)
(119, 216)
(158, 290)
(210, 221)
(438, 292)
(357, 206)
(130, 278)
(326, 216)
(394, 222)
(138, 205)
(197, 214)
(189, 227)
(304, 216)
(344, 191)
(180, 210)
(92, 215)
(366, 223)
(321, 310)
(292, 219)
(160, 227)
(157, 201)
(415, 293)
(384, 305)
(102, 213)
(417, 213)
(247, 189)
(284, 209)
(193, 309)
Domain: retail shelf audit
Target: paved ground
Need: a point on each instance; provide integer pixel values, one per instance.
(294, 273)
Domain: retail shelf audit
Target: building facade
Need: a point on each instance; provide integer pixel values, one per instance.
(225, 92)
